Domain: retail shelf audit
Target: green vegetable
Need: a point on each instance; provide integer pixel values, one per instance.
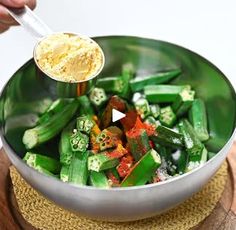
(138, 142)
(49, 129)
(35, 160)
(155, 110)
(106, 140)
(98, 97)
(151, 121)
(192, 143)
(44, 171)
(198, 118)
(79, 142)
(85, 106)
(111, 84)
(65, 150)
(183, 102)
(101, 161)
(167, 116)
(64, 174)
(126, 76)
(180, 159)
(54, 108)
(98, 179)
(78, 170)
(142, 107)
(167, 137)
(138, 83)
(84, 124)
(163, 93)
(143, 169)
(210, 155)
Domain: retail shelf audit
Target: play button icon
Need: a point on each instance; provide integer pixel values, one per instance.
(117, 115)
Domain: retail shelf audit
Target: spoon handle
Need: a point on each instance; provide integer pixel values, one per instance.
(30, 21)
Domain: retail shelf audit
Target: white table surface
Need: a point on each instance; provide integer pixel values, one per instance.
(204, 26)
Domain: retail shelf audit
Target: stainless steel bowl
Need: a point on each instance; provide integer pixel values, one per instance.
(24, 96)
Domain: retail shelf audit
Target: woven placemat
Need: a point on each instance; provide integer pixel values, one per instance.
(43, 214)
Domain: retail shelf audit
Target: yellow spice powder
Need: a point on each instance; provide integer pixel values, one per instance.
(69, 58)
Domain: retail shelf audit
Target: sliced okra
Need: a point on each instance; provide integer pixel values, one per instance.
(85, 124)
(167, 116)
(79, 142)
(98, 97)
(142, 107)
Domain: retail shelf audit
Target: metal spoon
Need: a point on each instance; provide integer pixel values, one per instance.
(37, 28)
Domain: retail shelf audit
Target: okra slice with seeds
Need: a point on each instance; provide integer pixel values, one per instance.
(138, 142)
(107, 140)
(98, 97)
(198, 118)
(167, 137)
(142, 107)
(167, 116)
(163, 93)
(138, 83)
(49, 129)
(98, 179)
(113, 177)
(78, 169)
(84, 124)
(183, 102)
(192, 143)
(79, 142)
(35, 160)
(143, 170)
(101, 161)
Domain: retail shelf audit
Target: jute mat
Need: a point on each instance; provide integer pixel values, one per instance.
(43, 214)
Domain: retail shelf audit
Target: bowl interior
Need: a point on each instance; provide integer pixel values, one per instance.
(26, 95)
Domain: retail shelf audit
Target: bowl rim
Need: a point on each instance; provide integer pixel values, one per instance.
(131, 188)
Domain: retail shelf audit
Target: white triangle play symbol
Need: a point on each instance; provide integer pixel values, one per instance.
(117, 115)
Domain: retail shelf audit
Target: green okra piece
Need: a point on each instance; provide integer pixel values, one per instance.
(155, 110)
(151, 121)
(78, 169)
(65, 149)
(64, 174)
(210, 155)
(180, 159)
(142, 107)
(54, 108)
(44, 171)
(126, 76)
(85, 106)
(193, 163)
(167, 116)
(113, 177)
(163, 93)
(167, 137)
(183, 102)
(98, 97)
(101, 161)
(138, 142)
(143, 169)
(192, 143)
(98, 179)
(84, 124)
(111, 84)
(79, 142)
(138, 83)
(198, 118)
(35, 160)
(49, 129)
